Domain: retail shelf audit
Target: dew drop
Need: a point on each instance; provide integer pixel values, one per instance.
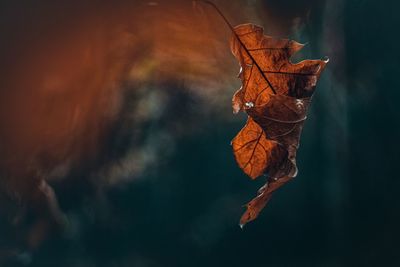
(249, 104)
(326, 59)
(299, 103)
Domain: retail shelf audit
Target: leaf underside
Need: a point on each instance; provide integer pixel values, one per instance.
(268, 142)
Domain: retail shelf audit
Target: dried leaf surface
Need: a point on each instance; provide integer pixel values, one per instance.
(276, 95)
(254, 152)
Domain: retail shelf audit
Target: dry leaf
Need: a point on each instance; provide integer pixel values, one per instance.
(276, 95)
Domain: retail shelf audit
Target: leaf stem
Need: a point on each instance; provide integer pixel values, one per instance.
(240, 41)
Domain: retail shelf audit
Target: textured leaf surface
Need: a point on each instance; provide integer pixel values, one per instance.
(254, 152)
(276, 95)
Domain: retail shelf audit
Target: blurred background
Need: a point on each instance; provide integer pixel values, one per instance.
(124, 109)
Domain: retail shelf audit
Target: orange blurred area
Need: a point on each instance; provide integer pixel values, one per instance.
(70, 67)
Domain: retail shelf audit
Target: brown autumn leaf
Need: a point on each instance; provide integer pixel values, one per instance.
(276, 95)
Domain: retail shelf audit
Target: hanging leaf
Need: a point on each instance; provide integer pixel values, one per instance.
(276, 95)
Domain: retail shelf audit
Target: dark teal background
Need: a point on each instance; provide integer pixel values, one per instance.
(341, 210)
